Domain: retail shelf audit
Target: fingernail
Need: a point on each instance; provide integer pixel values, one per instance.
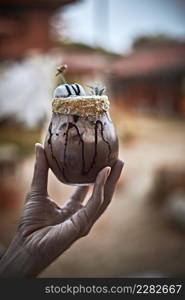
(36, 148)
(107, 174)
(108, 171)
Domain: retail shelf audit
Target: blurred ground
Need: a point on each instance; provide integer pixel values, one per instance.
(133, 237)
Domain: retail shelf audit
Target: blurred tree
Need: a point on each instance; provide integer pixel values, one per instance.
(151, 41)
(70, 46)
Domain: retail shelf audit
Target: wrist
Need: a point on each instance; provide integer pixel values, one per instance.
(17, 261)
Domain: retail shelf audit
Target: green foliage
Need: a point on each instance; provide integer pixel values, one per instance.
(80, 47)
(97, 89)
(150, 41)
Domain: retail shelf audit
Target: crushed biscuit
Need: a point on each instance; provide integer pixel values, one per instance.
(83, 106)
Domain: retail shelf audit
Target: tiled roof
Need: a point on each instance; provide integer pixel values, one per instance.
(84, 62)
(151, 61)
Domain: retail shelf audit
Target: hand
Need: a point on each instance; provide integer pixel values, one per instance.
(47, 230)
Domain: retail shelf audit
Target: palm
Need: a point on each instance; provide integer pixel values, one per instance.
(47, 230)
(43, 220)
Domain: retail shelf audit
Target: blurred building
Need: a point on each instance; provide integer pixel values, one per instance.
(86, 64)
(25, 25)
(27, 70)
(151, 79)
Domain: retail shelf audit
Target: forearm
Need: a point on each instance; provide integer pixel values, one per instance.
(17, 262)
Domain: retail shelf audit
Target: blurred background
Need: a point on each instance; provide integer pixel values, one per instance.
(137, 49)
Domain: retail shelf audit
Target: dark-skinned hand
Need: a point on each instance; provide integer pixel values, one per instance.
(46, 230)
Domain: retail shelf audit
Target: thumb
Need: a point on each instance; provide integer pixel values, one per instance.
(40, 175)
(97, 197)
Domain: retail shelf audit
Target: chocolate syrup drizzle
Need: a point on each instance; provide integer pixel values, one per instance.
(95, 148)
(72, 125)
(75, 88)
(75, 118)
(68, 90)
(102, 129)
(52, 154)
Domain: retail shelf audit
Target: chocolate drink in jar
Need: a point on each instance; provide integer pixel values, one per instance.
(81, 138)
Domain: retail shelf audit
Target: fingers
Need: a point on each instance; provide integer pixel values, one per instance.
(40, 175)
(74, 203)
(110, 186)
(81, 222)
(79, 194)
(83, 219)
(98, 193)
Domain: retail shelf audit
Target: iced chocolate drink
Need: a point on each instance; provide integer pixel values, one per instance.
(81, 138)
